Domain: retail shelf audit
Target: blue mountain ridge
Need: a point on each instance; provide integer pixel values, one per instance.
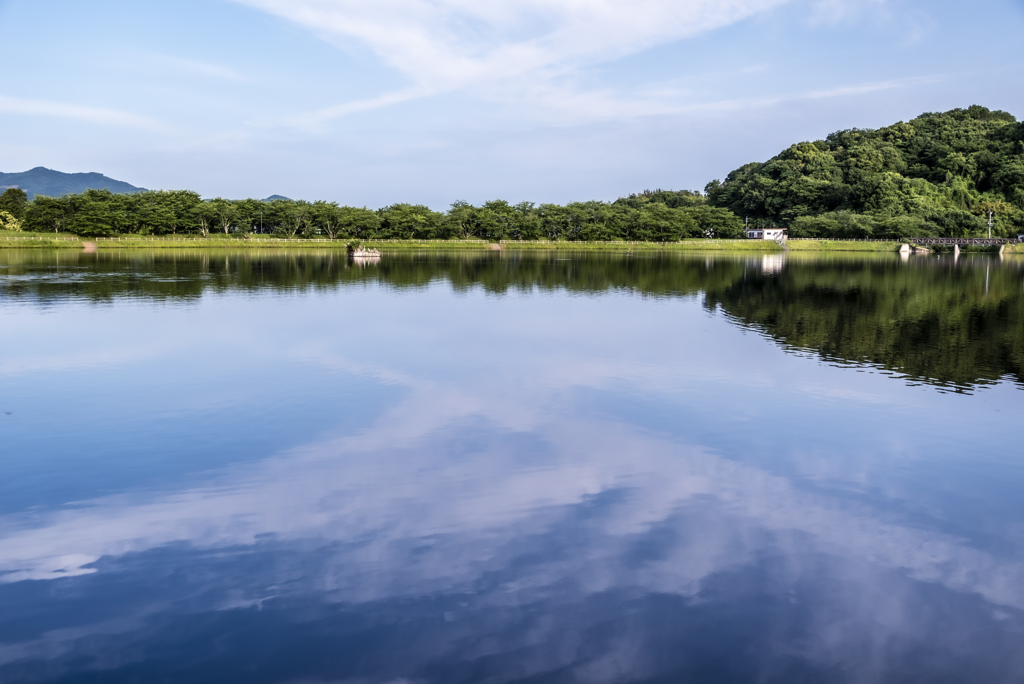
(43, 181)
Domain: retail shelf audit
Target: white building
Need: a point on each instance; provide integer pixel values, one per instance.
(766, 233)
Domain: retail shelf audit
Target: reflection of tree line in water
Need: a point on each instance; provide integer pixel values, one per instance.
(164, 274)
(955, 324)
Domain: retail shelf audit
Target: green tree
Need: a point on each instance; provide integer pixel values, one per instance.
(95, 213)
(524, 223)
(204, 218)
(14, 201)
(9, 222)
(248, 215)
(360, 223)
(715, 222)
(292, 216)
(48, 213)
(182, 206)
(460, 221)
(326, 217)
(659, 223)
(407, 221)
(225, 214)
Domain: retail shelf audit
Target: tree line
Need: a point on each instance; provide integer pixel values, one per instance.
(102, 213)
(941, 174)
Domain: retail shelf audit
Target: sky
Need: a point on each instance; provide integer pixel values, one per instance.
(433, 101)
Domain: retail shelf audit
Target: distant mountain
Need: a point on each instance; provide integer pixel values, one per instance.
(43, 181)
(277, 197)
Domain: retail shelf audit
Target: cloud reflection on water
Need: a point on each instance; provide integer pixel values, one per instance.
(565, 512)
(488, 483)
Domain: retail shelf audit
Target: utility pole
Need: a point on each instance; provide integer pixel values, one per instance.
(990, 223)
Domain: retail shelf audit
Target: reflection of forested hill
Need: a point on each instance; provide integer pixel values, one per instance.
(957, 324)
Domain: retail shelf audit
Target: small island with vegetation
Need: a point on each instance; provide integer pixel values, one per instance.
(948, 174)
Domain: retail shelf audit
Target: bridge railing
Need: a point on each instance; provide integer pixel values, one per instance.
(959, 241)
(920, 240)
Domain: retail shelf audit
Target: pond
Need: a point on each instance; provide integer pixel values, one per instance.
(509, 467)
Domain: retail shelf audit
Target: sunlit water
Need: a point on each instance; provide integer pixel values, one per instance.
(224, 467)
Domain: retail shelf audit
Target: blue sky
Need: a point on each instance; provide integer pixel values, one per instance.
(432, 101)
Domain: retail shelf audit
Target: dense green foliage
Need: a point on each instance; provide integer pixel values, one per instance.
(938, 174)
(14, 201)
(103, 213)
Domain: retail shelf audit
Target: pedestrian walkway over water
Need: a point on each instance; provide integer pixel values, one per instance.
(958, 241)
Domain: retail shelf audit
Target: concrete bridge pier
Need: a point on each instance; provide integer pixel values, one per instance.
(956, 251)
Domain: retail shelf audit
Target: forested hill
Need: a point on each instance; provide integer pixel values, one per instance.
(937, 174)
(43, 181)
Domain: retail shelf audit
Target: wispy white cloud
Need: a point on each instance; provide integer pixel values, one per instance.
(567, 104)
(326, 114)
(63, 110)
(846, 90)
(863, 88)
(509, 46)
(525, 55)
(913, 25)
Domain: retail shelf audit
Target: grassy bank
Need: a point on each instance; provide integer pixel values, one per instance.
(685, 245)
(22, 240)
(841, 246)
(50, 241)
(37, 240)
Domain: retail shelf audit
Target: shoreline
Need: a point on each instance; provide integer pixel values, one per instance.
(124, 242)
(91, 245)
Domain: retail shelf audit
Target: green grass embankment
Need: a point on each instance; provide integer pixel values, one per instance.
(619, 246)
(422, 245)
(50, 241)
(841, 246)
(23, 240)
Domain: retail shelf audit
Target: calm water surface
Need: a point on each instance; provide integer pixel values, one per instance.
(223, 467)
